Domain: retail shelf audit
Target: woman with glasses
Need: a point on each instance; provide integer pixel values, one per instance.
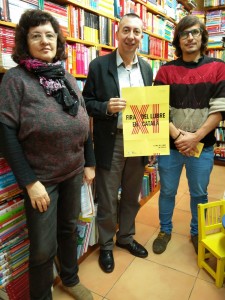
(197, 105)
(44, 135)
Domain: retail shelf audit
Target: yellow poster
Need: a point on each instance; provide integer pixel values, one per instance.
(146, 120)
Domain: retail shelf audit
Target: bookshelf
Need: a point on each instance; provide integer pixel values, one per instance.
(213, 15)
(84, 42)
(14, 243)
(219, 148)
(214, 18)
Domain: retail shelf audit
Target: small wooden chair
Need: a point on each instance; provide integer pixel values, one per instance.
(212, 237)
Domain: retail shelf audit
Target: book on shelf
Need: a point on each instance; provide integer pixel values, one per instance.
(10, 204)
(88, 223)
(87, 202)
(60, 12)
(81, 232)
(93, 239)
(18, 7)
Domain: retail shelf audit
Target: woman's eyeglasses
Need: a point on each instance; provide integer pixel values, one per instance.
(194, 32)
(37, 37)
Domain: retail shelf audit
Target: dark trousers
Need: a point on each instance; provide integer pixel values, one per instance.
(53, 233)
(126, 173)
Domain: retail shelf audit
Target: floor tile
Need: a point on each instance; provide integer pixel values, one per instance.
(149, 215)
(181, 222)
(143, 233)
(179, 255)
(147, 280)
(183, 203)
(59, 294)
(204, 290)
(98, 281)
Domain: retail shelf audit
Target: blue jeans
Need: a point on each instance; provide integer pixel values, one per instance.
(198, 172)
(53, 233)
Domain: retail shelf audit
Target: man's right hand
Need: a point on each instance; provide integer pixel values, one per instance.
(115, 105)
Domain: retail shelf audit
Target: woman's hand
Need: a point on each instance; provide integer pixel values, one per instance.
(38, 196)
(89, 174)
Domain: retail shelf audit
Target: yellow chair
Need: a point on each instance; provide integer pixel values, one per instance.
(212, 237)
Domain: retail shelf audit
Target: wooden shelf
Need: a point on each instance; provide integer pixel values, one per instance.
(89, 251)
(147, 198)
(156, 10)
(88, 8)
(216, 48)
(214, 7)
(188, 5)
(8, 24)
(219, 161)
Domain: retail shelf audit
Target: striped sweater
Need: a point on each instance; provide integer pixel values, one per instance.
(196, 91)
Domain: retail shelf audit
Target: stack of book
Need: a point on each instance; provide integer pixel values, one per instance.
(79, 57)
(60, 13)
(7, 35)
(18, 7)
(11, 10)
(156, 46)
(215, 24)
(209, 3)
(14, 243)
(170, 8)
(87, 233)
(86, 224)
(169, 30)
(180, 12)
(150, 180)
(200, 14)
(106, 7)
(144, 46)
(145, 189)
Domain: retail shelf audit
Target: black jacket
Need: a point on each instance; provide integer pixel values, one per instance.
(101, 85)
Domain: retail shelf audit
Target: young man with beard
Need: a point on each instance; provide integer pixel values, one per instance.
(197, 105)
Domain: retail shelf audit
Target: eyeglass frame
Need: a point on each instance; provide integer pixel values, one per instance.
(54, 36)
(188, 33)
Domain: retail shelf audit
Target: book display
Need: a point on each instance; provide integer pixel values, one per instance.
(214, 13)
(90, 27)
(215, 24)
(219, 148)
(14, 243)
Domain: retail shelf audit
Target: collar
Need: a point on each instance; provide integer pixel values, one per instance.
(119, 60)
(193, 62)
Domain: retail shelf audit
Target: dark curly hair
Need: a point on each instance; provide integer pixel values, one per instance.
(185, 23)
(32, 18)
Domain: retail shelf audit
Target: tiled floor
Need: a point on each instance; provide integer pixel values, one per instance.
(173, 275)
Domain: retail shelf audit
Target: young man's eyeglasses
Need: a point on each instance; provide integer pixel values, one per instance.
(194, 32)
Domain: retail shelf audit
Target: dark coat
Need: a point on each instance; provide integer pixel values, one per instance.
(101, 85)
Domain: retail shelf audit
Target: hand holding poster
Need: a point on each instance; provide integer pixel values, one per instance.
(146, 120)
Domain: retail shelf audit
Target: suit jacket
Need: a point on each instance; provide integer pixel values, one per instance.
(101, 85)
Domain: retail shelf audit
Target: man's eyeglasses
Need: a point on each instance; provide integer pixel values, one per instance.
(194, 32)
(37, 37)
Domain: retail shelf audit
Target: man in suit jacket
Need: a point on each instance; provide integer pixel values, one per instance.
(102, 94)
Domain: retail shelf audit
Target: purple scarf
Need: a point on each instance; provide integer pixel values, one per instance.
(52, 78)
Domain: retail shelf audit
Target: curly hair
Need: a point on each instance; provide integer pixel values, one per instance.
(32, 18)
(185, 23)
